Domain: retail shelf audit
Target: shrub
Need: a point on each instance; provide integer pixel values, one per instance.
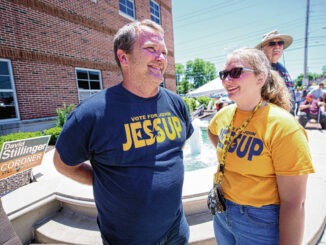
(54, 132)
(190, 103)
(205, 101)
(18, 136)
(63, 112)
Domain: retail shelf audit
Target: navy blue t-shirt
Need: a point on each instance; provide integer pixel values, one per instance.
(135, 148)
(288, 81)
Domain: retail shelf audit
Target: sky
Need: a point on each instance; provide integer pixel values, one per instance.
(210, 29)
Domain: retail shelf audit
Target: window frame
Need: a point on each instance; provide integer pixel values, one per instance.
(152, 15)
(91, 91)
(126, 15)
(12, 90)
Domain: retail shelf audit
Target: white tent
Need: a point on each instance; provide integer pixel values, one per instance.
(208, 89)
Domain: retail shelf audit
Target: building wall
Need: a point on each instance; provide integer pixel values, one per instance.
(46, 40)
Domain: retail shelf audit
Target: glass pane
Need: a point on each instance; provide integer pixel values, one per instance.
(130, 12)
(5, 82)
(130, 5)
(83, 95)
(7, 105)
(4, 68)
(95, 85)
(123, 8)
(6, 98)
(83, 84)
(123, 2)
(82, 74)
(93, 75)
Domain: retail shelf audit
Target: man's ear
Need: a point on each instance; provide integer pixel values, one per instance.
(122, 57)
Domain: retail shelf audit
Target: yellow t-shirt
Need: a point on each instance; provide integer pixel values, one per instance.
(273, 143)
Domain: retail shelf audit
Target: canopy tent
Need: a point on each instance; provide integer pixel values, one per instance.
(209, 89)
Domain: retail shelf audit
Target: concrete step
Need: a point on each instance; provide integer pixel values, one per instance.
(75, 223)
(68, 227)
(201, 229)
(71, 227)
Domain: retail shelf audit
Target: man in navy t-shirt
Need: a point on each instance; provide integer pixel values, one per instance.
(132, 134)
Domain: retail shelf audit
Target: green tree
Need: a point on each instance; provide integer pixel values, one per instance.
(184, 87)
(324, 70)
(179, 72)
(199, 72)
(311, 76)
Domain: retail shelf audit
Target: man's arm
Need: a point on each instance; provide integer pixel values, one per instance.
(304, 106)
(82, 173)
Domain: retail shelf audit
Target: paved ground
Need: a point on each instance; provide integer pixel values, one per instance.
(316, 198)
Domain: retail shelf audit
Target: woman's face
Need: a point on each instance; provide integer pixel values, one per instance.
(244, 90)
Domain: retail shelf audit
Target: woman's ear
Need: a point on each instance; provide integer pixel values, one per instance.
(261, 79)
(122, 57)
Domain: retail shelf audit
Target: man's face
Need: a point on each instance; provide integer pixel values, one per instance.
(321, 86)
(274, 52)
(147, 60)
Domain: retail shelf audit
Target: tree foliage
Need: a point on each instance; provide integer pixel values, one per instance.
(195, 74)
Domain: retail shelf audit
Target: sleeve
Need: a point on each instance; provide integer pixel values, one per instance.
(72, 144)
(291, 154)
(212, 126)
(189, 126)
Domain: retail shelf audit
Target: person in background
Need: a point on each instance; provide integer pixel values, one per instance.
(273, 45)
(132, 134)
(298, 98)
(265, 156)
(311, 108)
(318, 92)
(324, 100)
(304, 93)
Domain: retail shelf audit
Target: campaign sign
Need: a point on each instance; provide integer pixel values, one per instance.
(20, 155)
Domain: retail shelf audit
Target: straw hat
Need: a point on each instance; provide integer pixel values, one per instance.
(272, 35)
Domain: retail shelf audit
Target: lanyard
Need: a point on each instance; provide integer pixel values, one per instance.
(218, 176)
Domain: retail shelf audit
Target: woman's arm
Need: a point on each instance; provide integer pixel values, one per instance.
(292, 192)
(212, 137)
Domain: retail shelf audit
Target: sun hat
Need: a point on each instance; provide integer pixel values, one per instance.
(272, 35)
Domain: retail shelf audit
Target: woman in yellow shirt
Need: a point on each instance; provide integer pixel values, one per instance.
(263, 155)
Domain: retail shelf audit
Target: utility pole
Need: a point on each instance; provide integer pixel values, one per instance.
(305, 78)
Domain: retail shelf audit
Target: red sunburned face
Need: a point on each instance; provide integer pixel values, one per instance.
(273, 53)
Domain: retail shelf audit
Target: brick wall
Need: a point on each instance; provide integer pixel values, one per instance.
(47, 40)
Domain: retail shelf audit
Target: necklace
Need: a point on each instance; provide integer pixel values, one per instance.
(218, 176)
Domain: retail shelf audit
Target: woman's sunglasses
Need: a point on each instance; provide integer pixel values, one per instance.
(279, 43)
(234, 72)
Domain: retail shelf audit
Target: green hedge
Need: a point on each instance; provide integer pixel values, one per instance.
(54, 132)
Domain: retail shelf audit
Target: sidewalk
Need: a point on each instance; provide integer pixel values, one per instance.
(316, 198)
(50, 181)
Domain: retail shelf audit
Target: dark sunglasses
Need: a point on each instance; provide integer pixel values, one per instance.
(234, 72)
(279, 43)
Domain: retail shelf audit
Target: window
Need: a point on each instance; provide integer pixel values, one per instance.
(8, 100)
(155, 12)
(127, 8)
(89, 82)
